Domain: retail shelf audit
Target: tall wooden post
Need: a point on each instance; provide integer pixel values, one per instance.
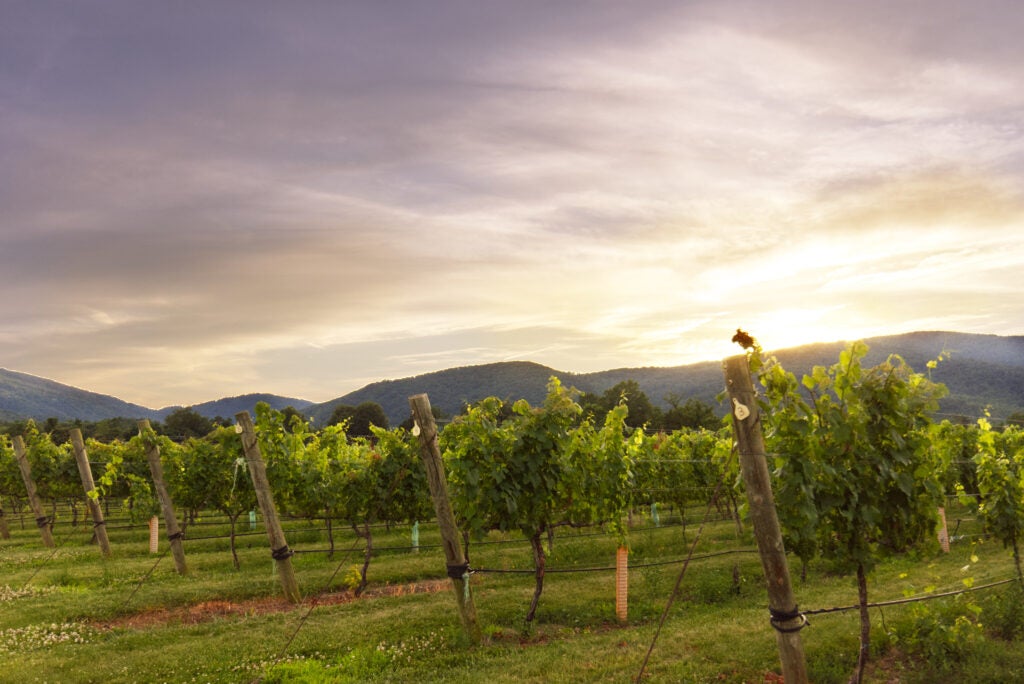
(42, 521)
(278, 545)
(458, 568)
(783, 610)
(156, 469)
(91, 499)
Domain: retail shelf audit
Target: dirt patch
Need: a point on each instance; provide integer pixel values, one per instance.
(214, 610)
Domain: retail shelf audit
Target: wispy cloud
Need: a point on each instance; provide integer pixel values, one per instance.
(204, 201)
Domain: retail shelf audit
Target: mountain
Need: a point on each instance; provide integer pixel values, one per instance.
(980, 371)
(28, 396)
(228, 407)
(449, 389)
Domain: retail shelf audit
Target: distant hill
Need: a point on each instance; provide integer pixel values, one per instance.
(982, 371)
(228, 407)
(28, 396)
(449, 389)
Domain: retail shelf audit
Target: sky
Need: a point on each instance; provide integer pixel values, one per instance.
(200, 200)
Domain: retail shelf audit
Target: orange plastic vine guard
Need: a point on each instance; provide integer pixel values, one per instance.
(621, 583)
(943, 530)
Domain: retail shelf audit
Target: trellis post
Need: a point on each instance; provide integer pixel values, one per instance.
(156, 469)
(279, 550)
(99, 525)
(458, 568)
(42, 521)
(5, 530)
(784, 613)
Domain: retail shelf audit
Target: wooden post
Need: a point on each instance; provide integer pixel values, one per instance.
(458, 568)
(783, 610)
(42, 521)
(99, 525)
(279, 550)
(5, 531)
(156, 469)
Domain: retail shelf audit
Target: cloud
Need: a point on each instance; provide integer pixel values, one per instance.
(204, 201)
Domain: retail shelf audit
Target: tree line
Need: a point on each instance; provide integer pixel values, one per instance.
(186, 422)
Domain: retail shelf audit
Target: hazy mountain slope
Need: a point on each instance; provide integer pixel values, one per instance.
(700, 381)
(982, 370)
(449, 389)
(27, 396)
(229, 406)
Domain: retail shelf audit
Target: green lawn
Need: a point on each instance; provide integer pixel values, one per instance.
(82, 618)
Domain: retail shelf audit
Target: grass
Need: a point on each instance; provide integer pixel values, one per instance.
(82, 618)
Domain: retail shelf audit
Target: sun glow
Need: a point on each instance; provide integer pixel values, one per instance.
(783, 328)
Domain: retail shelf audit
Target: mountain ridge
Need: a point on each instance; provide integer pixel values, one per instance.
(981, 371)
(23, 395)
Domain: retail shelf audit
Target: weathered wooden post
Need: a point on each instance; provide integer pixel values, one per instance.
(785, 616)
(5, 530)
(99, 525)
(278, 545)
(42, 521)
(458, 568)
(156, 469)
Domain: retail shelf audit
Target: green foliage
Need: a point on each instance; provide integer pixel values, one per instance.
(799, 461)
(212, 473)
(942, 633)
(1003, 612)
(693, 415)
(53, 466)
(514, 474)
(641, 411)
(855, 472)
(684, 467)
(1000, 474)
(484, 493)
(955, 446)
(508, 475)
(332, 475)
(403, 494)
(125, 475)
(359, 420)
(184, 423)
(10, 476)
(856, 476)
(599, 477)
